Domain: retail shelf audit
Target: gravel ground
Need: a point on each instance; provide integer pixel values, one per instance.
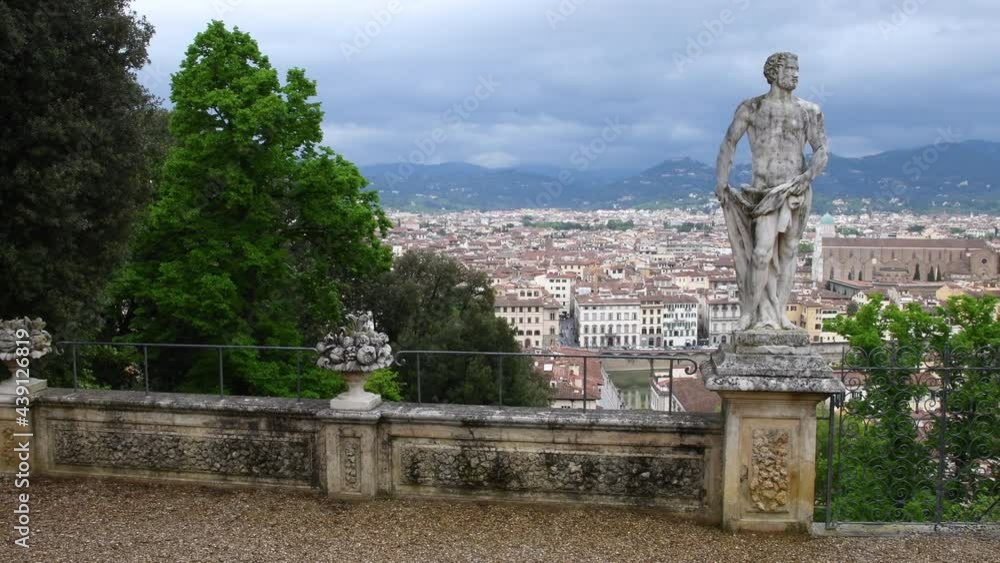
(95, 520)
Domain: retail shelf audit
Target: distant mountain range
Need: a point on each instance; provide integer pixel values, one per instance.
(945, 177)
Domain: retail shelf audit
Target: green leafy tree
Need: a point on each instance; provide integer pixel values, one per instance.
(852, 308)
(913, 358)
(256, 230)
(889, 466)
(972, 395)
(79, 142)
(433, 302)
(619, 225)
(687, 227)
(386, 383)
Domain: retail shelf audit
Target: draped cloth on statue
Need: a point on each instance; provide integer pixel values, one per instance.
(742, 209)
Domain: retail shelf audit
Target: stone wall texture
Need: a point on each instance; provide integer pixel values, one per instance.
(283, 458)
(397, 450)
(489, 468)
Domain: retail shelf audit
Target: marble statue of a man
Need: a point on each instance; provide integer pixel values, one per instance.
(765, 220)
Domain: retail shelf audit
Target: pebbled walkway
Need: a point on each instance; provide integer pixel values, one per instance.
(82, 520)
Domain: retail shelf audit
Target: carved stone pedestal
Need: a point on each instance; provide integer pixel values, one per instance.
(9, 416)
(356, 398)
(351, 442)
(770, 383)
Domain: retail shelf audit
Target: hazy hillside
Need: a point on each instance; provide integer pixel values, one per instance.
(943, 177)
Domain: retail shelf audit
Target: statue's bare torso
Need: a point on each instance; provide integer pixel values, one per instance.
(778, 132)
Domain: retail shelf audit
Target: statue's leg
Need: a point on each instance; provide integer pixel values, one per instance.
(770, 314)
(786, 274)
(760, 262)
(787, 247)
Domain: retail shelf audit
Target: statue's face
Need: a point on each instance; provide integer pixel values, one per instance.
(788, 74)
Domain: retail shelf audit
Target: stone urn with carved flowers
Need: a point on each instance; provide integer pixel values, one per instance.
(23, 333)
(355, 351)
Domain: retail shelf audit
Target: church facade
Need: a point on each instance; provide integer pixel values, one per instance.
(889, 259)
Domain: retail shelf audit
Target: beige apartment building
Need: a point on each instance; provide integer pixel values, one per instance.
(811, 315)
(608, 321)
(559, 286)
(532, 312)
(651, 329)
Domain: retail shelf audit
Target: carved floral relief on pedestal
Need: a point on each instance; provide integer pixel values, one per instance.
(350, 458)
(769, 470)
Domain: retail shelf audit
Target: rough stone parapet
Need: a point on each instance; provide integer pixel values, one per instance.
(576, 419)
(397, 412)
(672, 461)
(137, 400)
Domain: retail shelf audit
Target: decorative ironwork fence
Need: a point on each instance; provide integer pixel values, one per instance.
(420, 360)
(915, 438)
(139, 366)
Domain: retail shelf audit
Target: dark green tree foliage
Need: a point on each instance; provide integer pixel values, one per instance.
(687, 227)
(972, 435)
(433, 302)
(79, 138)
(385, 382)
(619, 225)
(893, 468)
(888, 469)
(256, 229)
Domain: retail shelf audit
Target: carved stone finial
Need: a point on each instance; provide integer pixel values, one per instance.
(355, 351)
(13, 334)
(355, 347)
(41, 340)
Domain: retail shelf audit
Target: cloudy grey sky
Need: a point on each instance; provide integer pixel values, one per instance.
(888, 73)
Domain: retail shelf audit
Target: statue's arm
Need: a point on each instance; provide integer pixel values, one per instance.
(724, 163)
(817, 140)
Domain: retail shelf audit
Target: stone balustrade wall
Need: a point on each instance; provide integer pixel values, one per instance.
(401, 450)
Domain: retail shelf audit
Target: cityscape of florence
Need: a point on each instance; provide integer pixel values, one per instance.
(569, 280)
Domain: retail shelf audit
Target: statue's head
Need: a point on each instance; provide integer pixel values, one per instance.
(782, 69)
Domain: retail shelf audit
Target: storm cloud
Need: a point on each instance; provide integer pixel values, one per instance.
(390, 73)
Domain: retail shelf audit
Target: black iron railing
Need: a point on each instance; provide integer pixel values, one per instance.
(402, 360)
(915, 437)
(74, 346)
(689, 365)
